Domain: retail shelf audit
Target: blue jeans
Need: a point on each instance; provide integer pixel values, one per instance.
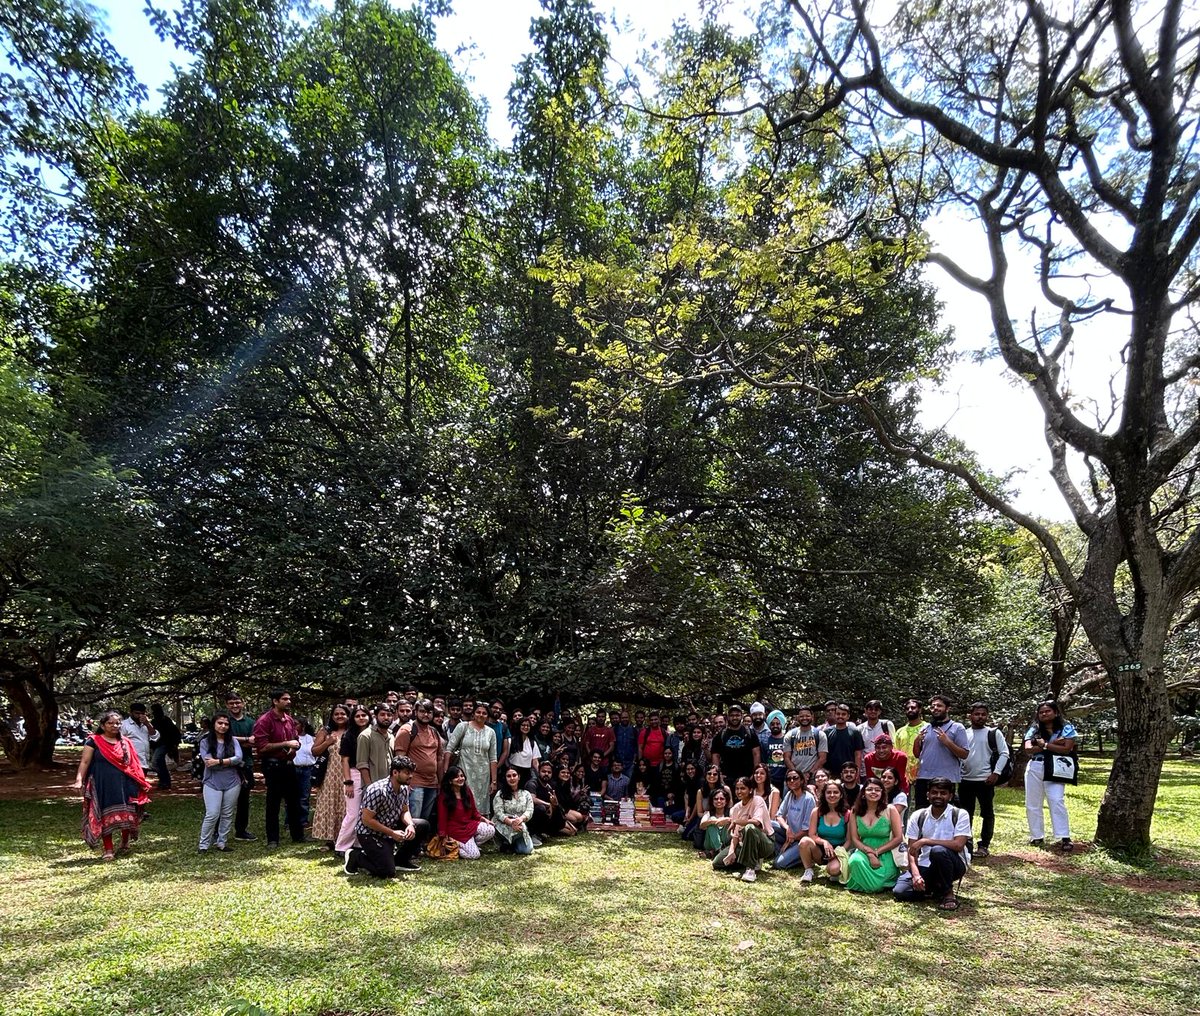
(422, 802)
(789, 857)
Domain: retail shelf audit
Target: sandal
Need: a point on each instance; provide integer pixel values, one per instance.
(108, 856)
(949, 903)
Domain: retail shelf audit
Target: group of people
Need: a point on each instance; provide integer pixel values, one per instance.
(876, 805)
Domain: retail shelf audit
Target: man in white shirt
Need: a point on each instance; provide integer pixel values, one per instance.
(937, 849)
(138, 728)
(987, 758)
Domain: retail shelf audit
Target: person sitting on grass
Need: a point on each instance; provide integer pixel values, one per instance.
(826, 832)
(548, 816)
(714, 824)
(512, 808)
(617, 785)
(572, 798)
(459, 818)
(791, 821)
(937, 849)
(388, 836)
(764, 788)
(750, 842)
(874, 832)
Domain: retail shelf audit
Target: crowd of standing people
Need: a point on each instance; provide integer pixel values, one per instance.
(875, 805)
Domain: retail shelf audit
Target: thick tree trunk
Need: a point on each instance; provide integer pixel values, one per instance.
(1144, 726)
(39, 708)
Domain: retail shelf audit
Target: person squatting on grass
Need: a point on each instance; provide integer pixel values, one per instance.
(389, 837)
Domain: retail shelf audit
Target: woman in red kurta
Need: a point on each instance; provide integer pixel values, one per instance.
(458, 817)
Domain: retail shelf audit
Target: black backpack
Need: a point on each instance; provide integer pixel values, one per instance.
(1006, 773)
(954, 813)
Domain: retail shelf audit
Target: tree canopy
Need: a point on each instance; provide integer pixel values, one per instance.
(304, 378)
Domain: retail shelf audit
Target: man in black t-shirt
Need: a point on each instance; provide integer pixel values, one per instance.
(736, 749)
(844, 741)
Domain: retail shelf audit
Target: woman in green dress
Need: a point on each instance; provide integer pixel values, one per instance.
(472, 747)
(873, 833)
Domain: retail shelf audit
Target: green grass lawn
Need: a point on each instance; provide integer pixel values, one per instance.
(599, 924)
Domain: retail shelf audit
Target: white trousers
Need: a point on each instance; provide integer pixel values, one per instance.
(469, 851)
(1038, 790)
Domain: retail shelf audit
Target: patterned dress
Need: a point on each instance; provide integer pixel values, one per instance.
(520, 805)
(331, 799)
(476, 750)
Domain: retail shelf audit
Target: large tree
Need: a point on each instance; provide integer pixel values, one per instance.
(1067, 131)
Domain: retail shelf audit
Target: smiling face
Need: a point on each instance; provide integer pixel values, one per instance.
(831, 794)
(938, 710)
(339, 716)
(512, 778)
(888, 779)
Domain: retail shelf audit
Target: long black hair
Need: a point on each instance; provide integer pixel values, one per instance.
(220, 747)
(448, 795)
(507, 792)
(1056, 724)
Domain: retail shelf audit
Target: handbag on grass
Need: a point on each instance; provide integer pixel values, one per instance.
(442, 848)
(1060, 768)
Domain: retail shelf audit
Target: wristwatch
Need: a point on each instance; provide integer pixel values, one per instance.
(347, 783)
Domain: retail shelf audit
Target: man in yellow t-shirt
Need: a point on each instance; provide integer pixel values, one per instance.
(906, 735)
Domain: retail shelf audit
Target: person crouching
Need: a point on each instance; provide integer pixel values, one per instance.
(389, 837)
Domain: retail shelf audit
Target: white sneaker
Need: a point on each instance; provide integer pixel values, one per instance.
(807, 876)
(749, 875)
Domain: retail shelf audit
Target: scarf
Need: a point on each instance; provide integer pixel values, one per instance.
(123, 756)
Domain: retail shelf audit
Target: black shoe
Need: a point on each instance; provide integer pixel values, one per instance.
(409, 866)
(1037, 843)
(1065, 845)
(352, 858)
(226, 849)
(244, 836)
